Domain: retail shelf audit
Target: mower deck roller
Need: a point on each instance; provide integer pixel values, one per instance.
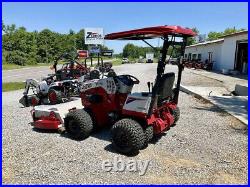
(135, 117)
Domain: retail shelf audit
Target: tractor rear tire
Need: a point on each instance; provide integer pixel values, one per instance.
(78, 124)
(127, 136)
(54, 96)
(176, 114)
(149, 134)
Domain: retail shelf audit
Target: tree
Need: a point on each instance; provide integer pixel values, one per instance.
(80, 43)
(22, 47)
(133, 51)
(216, 35)
(3, 27)
(191, 40)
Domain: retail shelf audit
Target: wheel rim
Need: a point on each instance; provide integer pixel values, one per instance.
(52, 97)
(34, 101)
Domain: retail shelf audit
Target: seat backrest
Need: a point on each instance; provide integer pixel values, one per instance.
(94, 74)
(75, 73)
(166, 86)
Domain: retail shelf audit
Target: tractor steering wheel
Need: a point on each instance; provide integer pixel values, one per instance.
(134, 79)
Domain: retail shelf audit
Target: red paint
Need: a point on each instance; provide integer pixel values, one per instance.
(129, 113)
(34, 101)
(82, 53)
(109, 103)
(150, 32)
(52, 97)
(46, 122)
(162, 119)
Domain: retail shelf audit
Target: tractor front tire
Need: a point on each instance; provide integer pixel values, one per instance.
(78, 124)
(127, 136)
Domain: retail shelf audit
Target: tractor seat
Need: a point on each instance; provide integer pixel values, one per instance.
(94, 74)
(166, 86)
(61, 75)
(75, 73)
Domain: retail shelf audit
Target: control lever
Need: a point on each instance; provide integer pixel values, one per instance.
(148, 83)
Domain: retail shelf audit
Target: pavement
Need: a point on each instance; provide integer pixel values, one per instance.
(237, 106)
(207, 146)
(229, 81)
(19, 75)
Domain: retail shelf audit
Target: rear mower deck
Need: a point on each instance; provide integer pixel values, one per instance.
(52, 116)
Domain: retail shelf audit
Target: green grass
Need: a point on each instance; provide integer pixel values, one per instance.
(11, 66)
(10, 86)
(117, 62)
(14, 66)
(6, 66)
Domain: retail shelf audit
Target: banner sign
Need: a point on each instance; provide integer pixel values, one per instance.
(82, 53)
(108, 53)
(94, 49)
(94, 36)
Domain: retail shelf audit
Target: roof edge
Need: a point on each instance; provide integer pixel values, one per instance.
(236, 33)
(207, 42)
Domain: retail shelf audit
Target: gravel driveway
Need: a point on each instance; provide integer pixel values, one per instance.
(206, 146)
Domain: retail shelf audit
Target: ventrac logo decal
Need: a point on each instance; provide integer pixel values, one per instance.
(131, 99)
(93, 35)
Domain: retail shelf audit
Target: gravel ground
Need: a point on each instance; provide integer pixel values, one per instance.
(206, 146)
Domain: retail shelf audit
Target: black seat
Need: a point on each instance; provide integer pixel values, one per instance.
(165, 90)
(94, 74)
(61, 75)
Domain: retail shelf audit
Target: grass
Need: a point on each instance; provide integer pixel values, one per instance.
(117, 62)
(6, 66)
(11, 66)
(14, 66)
(10, 86)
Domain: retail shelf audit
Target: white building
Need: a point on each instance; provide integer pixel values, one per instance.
(229, 53)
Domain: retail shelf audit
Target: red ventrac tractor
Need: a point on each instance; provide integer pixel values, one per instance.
(135, 117)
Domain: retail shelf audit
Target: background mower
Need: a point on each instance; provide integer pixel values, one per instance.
(135, 117)
(63, 84)
(55, 88)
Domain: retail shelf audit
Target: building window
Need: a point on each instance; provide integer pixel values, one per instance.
(194, 56)
(189, 56)
(199, 56)
(185, 56)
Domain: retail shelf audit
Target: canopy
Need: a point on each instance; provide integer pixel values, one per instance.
(150, 32)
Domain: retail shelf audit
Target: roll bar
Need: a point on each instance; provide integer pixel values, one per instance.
(165, 32)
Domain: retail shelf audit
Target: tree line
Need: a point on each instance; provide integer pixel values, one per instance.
(22, 47)
(216, 35)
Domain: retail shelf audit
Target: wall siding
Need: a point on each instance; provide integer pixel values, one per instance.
(223, 52)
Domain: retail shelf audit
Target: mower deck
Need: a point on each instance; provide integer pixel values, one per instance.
(52, 116)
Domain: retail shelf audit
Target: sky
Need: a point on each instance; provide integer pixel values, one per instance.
(115, 17)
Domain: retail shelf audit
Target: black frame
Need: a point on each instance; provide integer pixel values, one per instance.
(161, 67)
